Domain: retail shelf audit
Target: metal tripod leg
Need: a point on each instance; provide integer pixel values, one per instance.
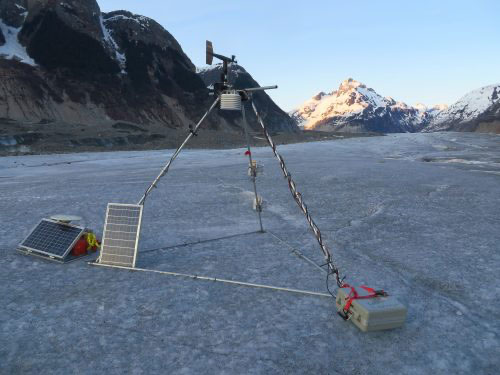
(245, 127)
(166, 168)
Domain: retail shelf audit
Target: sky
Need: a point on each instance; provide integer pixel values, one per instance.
(414, 51)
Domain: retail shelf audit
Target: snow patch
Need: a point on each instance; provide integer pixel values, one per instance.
(120, 57)
(207, 68)
(12, 49)
(234, 69)
(141, 20)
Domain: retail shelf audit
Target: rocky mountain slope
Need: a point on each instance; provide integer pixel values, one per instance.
(479, 110)
(273, 115)
(67, 64)
(357, 108)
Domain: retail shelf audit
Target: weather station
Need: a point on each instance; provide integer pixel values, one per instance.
(369, 309)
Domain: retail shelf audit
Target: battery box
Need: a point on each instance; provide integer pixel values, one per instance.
(372, 314)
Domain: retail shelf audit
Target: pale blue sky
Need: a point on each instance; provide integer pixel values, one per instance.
(415, 51)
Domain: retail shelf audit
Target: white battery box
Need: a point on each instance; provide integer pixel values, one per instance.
(371, 314)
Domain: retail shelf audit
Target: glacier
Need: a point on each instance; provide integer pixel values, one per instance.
(400, 212)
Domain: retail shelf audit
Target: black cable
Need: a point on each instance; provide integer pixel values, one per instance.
(197, 242)
(328, 285)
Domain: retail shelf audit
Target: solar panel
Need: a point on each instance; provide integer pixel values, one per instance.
(52, 238)
(121, 234)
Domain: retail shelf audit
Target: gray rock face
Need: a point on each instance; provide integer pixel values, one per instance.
(274, 117)
(93, 68)
(81, 66)
(128, 28)
(13, 12)
(82, 16)
(67, 34)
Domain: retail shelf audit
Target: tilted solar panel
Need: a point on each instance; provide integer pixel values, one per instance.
(121, 234)
(52, 238)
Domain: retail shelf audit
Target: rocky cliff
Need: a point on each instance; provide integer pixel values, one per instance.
(65, 62)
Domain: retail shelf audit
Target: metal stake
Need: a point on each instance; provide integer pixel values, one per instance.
(245, 127)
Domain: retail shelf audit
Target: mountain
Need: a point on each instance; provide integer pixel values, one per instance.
(357, 108)
(87, 73)
(479, 110)
(433, 111)
(67, 61)
(273, 116)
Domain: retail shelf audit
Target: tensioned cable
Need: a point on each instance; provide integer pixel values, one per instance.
(297, 252)
(197, 242)
(297, 196)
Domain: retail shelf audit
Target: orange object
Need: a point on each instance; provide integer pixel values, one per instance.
(80, 247)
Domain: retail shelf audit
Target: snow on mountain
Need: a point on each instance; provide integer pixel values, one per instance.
(356, 108)
(440, 107)
(421, 107)
(111, 44)
(481, 106)
(12, 49)
(235, 70)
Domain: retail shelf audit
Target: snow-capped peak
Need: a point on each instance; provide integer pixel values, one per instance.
(354, 103)
(351, 98)
(469, 107)
(350, 83)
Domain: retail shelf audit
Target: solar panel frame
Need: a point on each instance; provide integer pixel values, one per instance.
(52, 255)
(127, 236)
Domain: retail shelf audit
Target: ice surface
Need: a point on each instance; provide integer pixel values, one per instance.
(395, 216)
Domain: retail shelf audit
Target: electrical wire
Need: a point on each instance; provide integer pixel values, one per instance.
(197, 242)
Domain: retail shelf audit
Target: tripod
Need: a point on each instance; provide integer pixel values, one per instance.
(234, 104)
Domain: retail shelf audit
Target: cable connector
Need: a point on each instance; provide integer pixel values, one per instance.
(191, 130)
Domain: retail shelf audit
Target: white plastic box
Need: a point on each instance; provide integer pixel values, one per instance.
(372, 314)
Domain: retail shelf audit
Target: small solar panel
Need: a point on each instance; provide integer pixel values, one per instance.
(52, 238)
(121, 234)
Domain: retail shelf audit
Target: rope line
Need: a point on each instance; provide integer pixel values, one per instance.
(197, 242)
